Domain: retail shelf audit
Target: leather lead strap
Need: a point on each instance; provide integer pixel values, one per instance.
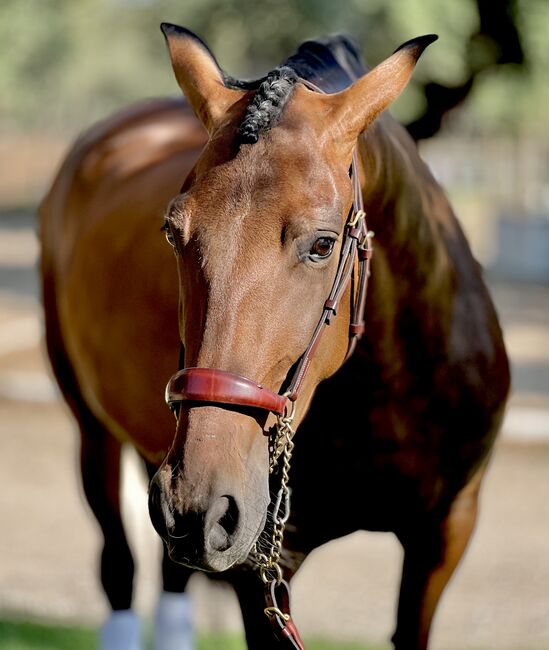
(277, 599)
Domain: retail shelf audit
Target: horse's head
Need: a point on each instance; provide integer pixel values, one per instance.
(257, 233)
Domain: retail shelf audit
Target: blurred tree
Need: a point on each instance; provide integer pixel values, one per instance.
(497, 41)
(64, 63)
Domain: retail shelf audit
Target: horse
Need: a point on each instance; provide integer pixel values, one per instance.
(262, 189)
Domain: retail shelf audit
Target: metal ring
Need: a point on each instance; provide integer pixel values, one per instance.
(288, 416)
(275, 567)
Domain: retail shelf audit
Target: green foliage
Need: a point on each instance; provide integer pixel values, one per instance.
(64, 63)
(512, 99)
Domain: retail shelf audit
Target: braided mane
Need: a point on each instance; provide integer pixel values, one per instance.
(269, 100)
(332, 63)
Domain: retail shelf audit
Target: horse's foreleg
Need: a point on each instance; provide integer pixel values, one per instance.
(100, 467)
(431, 555)
(251, 596)
(173, 624)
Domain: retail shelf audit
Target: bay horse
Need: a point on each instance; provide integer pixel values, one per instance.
(395, 436)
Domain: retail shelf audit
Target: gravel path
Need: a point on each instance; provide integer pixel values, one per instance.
(49, 544)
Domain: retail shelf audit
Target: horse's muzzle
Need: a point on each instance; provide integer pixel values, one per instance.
(204, 538)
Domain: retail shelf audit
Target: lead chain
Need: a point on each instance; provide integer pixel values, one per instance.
(281, 454)
(284, 434)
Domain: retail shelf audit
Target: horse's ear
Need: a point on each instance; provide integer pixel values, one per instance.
(355, 108)
(198, 75)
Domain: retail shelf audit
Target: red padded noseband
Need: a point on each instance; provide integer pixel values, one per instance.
(222, 387)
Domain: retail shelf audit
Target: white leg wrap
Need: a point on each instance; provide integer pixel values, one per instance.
(173, 627)
(121, 631)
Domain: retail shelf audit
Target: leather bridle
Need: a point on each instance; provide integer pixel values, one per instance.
(215, 386)
(207, 386)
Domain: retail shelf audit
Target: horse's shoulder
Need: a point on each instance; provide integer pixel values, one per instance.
(116, 162)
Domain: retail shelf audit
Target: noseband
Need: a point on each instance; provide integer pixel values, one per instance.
(215, 386)
(221, 387)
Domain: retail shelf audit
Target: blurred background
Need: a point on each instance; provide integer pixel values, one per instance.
(478, 107)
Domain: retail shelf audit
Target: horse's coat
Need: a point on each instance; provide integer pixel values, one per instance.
(396, 439)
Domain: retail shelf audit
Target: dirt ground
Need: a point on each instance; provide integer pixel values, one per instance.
(49, 542)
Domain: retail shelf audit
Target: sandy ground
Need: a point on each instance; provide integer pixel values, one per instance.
(49, 542)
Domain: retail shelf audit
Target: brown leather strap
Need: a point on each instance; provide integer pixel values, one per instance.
(219, 386)
(365, 252)
(356, 243)
(277, 599)
(342, 278)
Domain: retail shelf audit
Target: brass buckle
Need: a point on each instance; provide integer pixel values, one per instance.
(365, 244)
(359, 214)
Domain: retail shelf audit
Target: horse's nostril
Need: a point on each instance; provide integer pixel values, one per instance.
(193, 533)
(229, 520)
(223, 518)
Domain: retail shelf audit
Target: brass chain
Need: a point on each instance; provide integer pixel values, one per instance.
(283, 436)
(280, 458)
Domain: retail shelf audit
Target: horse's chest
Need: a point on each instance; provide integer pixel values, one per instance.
(362, 481)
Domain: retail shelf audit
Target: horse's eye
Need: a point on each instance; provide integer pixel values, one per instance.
(322, 248)
(169, 235)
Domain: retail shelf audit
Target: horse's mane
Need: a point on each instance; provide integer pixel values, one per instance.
(331, 63)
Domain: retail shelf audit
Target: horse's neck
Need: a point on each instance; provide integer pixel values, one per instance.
(413, 273)
(430, 322)
(407, 209)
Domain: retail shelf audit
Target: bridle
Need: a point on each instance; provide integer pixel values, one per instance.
(209, 386)
(215, 386)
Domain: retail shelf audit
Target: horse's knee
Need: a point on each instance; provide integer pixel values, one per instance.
(100, 469)
(117, 571)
